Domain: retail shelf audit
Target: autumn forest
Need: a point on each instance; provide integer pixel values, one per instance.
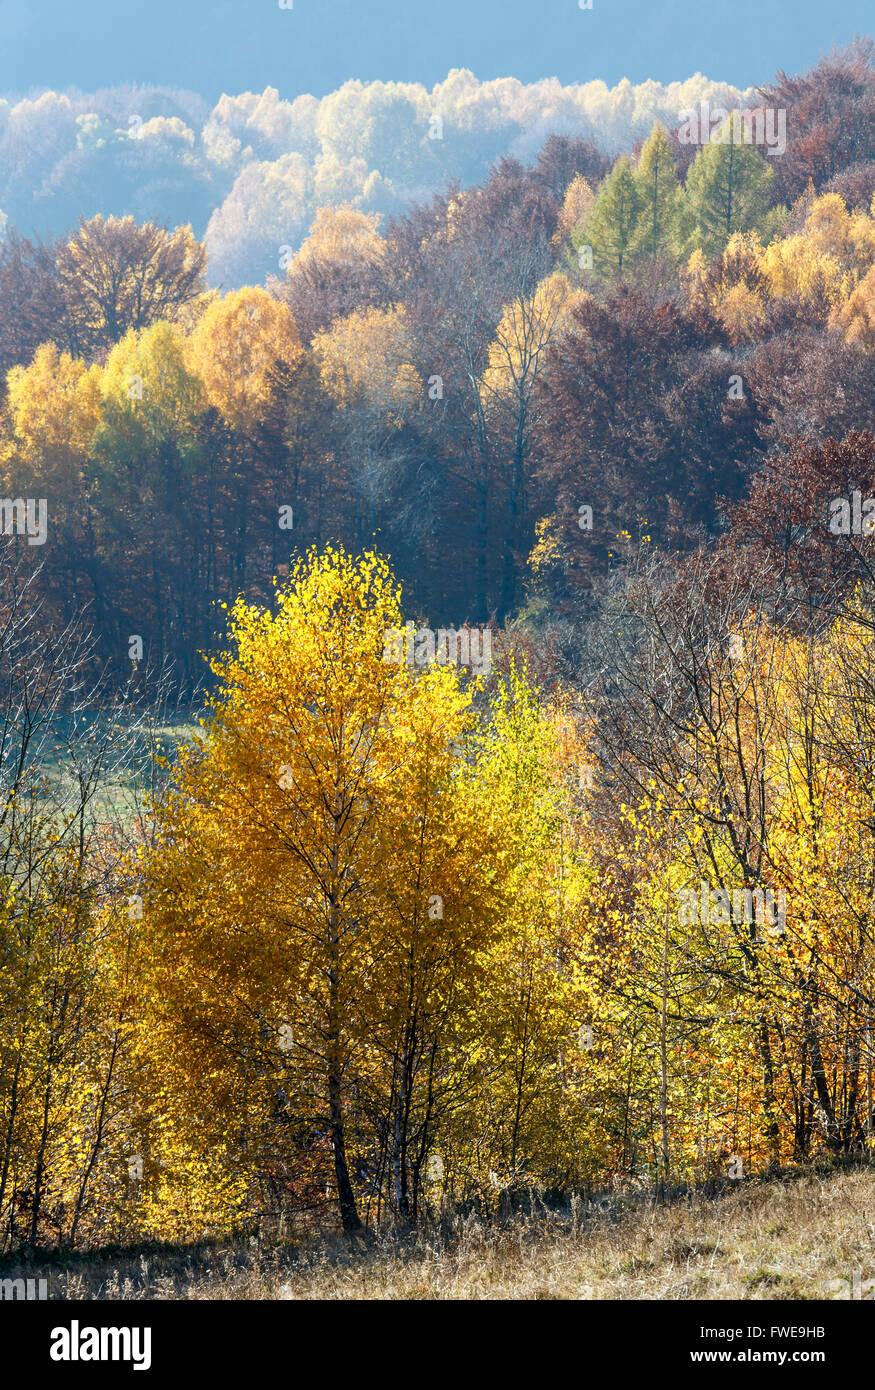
(437, 690)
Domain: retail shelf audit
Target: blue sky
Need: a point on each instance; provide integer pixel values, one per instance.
(212, 46)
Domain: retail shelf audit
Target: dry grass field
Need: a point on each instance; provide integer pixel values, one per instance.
(794, 1238)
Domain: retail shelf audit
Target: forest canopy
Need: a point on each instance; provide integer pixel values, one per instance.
(436, 681)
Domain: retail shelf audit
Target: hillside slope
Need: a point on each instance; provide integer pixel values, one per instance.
(811, 1237)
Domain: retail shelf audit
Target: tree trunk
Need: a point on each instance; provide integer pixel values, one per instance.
(346, 1197)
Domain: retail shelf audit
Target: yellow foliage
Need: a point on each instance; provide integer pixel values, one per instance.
(693, 274)
(799, 267)
(53, 410)
(326, 885)
(848, 237)
(237, 347)
(526, 329)
(856, 317)
(742, 313)
(147, 376)
(364, 359)
(116, 275)
(818, 267)
(343, 235)
(578, 200)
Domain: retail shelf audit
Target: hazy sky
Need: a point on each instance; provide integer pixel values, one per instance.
(213, 46)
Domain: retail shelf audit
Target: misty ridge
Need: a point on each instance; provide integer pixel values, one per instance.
(250, 174)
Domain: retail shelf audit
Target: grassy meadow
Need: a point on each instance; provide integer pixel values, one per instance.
(803, 1236)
